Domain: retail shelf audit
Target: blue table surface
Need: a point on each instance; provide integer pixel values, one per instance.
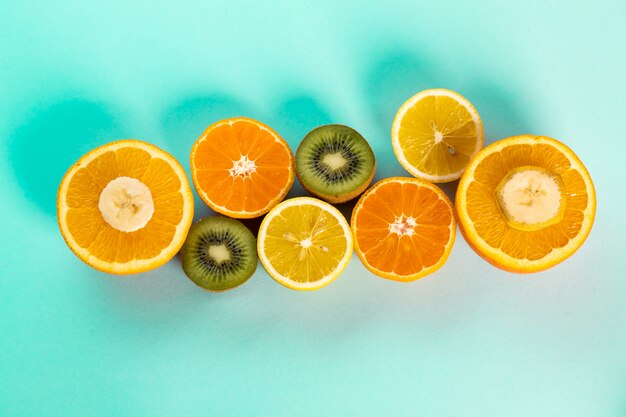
(469, 340)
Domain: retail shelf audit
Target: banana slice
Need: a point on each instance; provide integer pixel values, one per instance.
(126, 204)
(531, 198)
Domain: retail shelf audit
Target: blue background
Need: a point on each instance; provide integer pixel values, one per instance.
(470, 340)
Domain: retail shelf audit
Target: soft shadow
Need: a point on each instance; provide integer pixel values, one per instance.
(296, 116)
(396, 75)
(159, 299)
(52, 138)
(501, 113)
(347, 207)
(253, 224)
(450, 189)
(393, 78)
(184, 122)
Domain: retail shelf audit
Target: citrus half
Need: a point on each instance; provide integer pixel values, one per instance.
(125, 207)
(435, 134)
(404, 228)
(526, 203)
(241, 167)
(304, 243)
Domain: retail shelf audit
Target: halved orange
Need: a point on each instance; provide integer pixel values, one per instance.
(125, 207)
(404, 228)
(526, 203)
(241, 167)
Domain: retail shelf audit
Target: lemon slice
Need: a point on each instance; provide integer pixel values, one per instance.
(435, 134)
(304, 243)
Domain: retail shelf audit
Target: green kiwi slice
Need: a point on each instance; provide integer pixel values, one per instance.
(219, 253)
(335, 163)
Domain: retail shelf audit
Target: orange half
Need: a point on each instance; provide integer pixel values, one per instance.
(95, 240)
(404, 228)
(542, 238)
(241, 167)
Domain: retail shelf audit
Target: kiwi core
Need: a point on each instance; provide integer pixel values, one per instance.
(531, 198)
(126, 204)
(219, 253)
(334, 160)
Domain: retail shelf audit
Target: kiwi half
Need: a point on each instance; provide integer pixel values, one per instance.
(335, 163)
(219, 253)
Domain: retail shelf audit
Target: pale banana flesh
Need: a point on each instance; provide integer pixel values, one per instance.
(531, 198)
(126, 204)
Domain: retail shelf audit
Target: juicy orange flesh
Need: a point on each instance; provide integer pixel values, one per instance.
(225, 145)
(293, 226)
(417, 133)
(404, 254)
(492, 225)
(86, 224)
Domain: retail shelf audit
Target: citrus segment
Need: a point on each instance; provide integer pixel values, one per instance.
(404, 228)
(435, 134)
(241, 167)
(304, 243)
(526, 203)
(125, 207)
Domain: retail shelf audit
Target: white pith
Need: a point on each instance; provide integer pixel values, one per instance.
(243, 167)
(403, 225)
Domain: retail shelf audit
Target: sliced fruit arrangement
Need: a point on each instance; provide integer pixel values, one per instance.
(435, 134)
(125, 207)
(241, 167)
(335, 163)
(304, 243)
(404, 228)
(526, 203)
(219, 253)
